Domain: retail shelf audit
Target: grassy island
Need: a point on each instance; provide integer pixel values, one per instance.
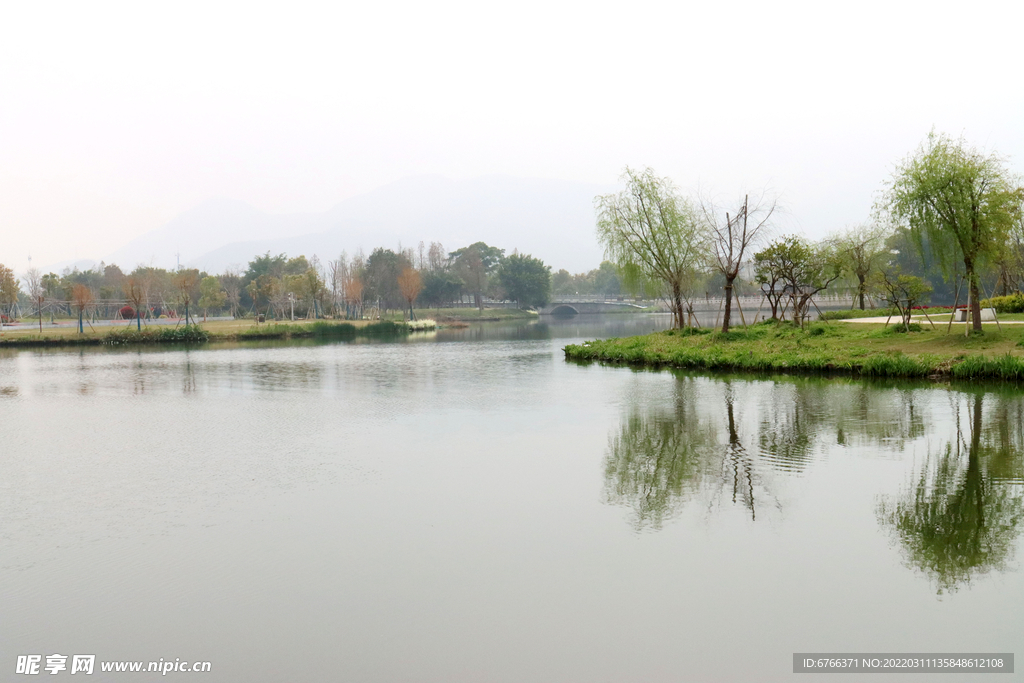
(863, 349)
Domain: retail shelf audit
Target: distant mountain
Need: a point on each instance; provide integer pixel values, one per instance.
(550, 219)
(212, 224)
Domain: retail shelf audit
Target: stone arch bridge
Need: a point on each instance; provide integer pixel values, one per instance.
(568, 308)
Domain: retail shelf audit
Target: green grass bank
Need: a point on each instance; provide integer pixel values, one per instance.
(198, 334)
(446, 315)
(868, 350)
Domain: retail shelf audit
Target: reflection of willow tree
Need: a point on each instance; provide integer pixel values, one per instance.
(789, 423)
(655, 463)
(958, 521)
(659, 459)
(878, 413)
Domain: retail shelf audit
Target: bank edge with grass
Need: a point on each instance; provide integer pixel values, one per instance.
(773, 347)
(196, 334)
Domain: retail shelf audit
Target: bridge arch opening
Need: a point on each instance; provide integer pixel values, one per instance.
(564, 311)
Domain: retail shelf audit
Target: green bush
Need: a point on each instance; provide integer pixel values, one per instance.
(857, 313)
(186, 334)
(900, 328)
(1013, 303)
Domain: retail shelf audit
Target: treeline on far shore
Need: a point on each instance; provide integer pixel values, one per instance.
(283, 287)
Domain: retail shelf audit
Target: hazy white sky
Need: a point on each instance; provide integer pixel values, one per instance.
(114, 118)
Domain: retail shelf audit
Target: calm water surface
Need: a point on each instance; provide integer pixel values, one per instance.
(467, 506)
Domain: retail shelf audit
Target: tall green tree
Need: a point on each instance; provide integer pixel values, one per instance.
(211, 295)
(440, 287)
(475, 265)
(802, 268)
(962, 200)
(381, 278)
(525, 279)
(606, 279)
(652, 233)
(9, 290)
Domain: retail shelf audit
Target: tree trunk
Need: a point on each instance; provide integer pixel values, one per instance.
(975, 300)
(728, 303)
(677, 304)
(860, 289)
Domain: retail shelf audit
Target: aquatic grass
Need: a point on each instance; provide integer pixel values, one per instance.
(186, 334)
(323, 329)
(268, 331)
(895, 365)
(1000, 367)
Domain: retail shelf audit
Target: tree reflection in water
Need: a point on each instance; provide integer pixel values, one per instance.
(962, 516)
(662, 457)
(723, 442)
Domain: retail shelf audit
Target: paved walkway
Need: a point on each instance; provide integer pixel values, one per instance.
(944, 319)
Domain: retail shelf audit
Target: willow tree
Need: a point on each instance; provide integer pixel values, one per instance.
(653, 235)
(958, 199)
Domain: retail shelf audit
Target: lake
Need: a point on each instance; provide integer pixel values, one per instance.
(468, 506)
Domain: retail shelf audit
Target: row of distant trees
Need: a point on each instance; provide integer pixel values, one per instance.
(950, 215)
(279, 286)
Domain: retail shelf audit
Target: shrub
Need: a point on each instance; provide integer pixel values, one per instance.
(846, 314)
(1005, 304)
(127, 312)
(899, 328)
(189, 334)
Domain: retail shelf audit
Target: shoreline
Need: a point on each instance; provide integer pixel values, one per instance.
(865, 351)
(197, 334)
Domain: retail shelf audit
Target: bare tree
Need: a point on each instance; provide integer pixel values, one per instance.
(437, 257)
(36, 292)
(863, 249)
(82, 298)
(135, 291)
(731, 238)
(185, 282)
(231, 281)
(336, 271)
